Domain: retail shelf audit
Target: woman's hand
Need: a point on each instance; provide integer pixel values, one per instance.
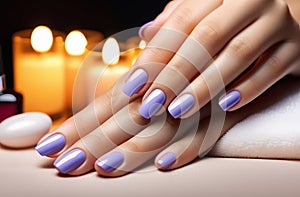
(112, 131)
(117, 145)
(198, 48)
(111, 137)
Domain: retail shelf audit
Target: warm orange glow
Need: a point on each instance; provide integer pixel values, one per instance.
(75, 43)
(111, 51)
(41, 39)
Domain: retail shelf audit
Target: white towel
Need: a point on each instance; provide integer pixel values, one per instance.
(272, 132)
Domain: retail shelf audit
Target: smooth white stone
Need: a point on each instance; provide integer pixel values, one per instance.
(24, 130)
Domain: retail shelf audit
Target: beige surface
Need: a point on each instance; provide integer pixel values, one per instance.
(25, 173)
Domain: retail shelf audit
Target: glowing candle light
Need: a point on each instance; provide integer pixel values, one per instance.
(104, 74)
(78, 44)
(41, 39)
(38, 58)
(75, 46)
(75, 43)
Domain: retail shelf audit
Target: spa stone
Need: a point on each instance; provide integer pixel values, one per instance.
(24, 130)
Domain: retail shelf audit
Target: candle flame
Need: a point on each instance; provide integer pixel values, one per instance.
(111, 51)
(142, 44)
(75, 43)
(41, 39)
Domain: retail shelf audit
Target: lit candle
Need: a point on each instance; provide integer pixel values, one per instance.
(103, 74)
(78, 43)
(39, 73)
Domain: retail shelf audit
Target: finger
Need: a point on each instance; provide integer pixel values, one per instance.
(127, 122)
(83, 122)
(148, 33)
(80, 157)
(192, 146)
(144, 146)
(139, 149)
(269, 69)
(188, 148)
(165, 43)
(197, 51)
(234, 59)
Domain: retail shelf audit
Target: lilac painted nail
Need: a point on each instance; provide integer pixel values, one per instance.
(152, 103)
(166, 160)
(70, 161)
(229, 100)
(111, 161)
(141, 30)
(181, 105)
(51, 144)
(135, 82)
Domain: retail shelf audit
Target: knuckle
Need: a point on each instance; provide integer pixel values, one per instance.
(155, 53)
(132, 146)
(182, 16)
(169, 5)
(241, 49)
(207, 34)
(275, 65)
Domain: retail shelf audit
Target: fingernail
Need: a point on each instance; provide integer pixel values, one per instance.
(166, 160)
(70, 161)
(141, 30)
(135, 82)
(181, 105)
(152, 103)
(51, 144)
(111, 161)
(229, 100)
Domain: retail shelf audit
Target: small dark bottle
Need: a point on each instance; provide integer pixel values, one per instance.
(11, 102)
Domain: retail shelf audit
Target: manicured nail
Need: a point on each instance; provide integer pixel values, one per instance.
(229, 100)
(152, 103)
(51, 144)
(141, 30)
(70, 161)
(111, 161)
(181, 105)
(166, 160)
(135, 82)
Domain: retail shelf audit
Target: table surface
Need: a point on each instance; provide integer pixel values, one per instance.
(25, 173)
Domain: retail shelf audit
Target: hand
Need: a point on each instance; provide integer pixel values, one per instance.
(199, 48)
(111, 137)
(125, 141)
(117, 144)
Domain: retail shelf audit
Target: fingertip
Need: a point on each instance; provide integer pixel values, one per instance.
(108, 165)
(181, 105)
(152, 104)
(229, 100)
(143, 28)
(70, 161)
(135, 82)
(51, 145)
(165, 161)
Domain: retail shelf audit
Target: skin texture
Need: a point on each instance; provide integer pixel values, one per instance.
(256, 46)
(112, 123)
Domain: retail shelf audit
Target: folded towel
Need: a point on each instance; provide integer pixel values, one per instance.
(272, 132)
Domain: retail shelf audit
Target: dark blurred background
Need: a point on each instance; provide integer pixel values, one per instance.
(107, 17)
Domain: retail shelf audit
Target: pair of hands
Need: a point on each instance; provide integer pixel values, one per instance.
(196, 50)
